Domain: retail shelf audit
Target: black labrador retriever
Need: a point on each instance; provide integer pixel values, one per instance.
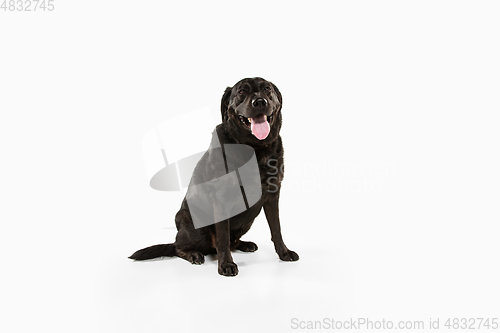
(251, 115)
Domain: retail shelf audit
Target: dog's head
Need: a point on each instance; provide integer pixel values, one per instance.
(251, 111)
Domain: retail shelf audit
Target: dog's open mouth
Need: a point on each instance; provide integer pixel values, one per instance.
(259, 125)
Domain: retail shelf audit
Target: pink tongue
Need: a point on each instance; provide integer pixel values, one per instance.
(260, 127)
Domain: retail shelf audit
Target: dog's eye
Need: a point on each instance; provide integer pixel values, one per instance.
(267, 88)
(241, 91)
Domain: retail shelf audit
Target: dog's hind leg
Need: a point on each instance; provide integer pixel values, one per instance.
(194, 257)
(246, 246)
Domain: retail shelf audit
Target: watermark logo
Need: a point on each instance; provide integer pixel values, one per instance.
(225, 180)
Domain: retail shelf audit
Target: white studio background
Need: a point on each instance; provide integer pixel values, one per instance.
(391, 192)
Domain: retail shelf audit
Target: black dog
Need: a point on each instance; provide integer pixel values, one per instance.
(251, 115)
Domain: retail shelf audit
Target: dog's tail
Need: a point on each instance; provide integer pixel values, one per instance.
(155, 251)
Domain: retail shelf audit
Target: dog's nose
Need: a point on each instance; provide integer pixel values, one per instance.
(259, 102)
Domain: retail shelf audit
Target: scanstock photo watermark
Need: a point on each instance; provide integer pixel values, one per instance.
(333, 176)
(485, 324)
(236, 175)
(27, 5)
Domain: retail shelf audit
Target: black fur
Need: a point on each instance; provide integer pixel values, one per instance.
(223, 237)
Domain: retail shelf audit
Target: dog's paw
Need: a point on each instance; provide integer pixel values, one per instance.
(247, 246)
(288, 255)
(228, 269)
(196, 258)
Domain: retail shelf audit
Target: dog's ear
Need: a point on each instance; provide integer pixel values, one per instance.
(278, 93)
(224, 104)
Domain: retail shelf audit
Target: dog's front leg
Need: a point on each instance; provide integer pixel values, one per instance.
(271, 209)
(227, 267)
